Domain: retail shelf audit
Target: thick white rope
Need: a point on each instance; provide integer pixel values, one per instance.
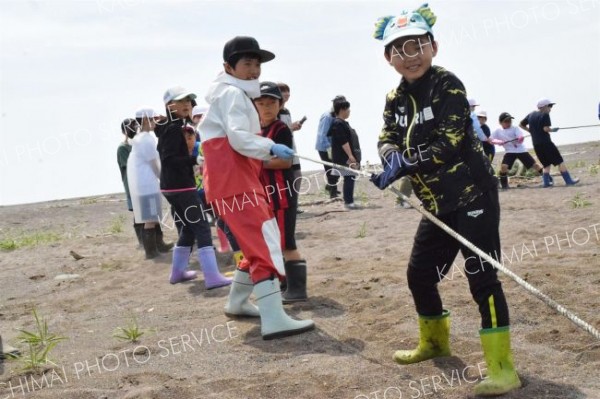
(537, 293)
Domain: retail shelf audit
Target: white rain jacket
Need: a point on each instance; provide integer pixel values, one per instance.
(231, 143)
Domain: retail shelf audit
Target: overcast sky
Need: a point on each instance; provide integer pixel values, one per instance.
(70, 71)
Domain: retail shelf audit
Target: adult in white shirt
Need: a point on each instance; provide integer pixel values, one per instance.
(143, 174)
(511, 138)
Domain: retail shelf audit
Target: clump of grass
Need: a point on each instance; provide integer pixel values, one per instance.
(363, 198)
(40, 343)
(116, 224)
(578, 201)
(130, 333)
(110, 266)
(8, 244)
(18, 240)
(594, 169)
(362, 232)
(88, 201)
(579, 164)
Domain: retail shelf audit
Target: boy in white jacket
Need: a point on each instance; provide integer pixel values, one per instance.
(233, 153)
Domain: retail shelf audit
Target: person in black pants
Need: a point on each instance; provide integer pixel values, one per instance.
(428, 135)
(178, 185)
(538, 124)
(345, 149)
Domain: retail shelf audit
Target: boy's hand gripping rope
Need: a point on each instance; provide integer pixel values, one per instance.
(540, 295)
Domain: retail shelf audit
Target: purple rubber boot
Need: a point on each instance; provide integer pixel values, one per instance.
(208, 262)
(181, 255)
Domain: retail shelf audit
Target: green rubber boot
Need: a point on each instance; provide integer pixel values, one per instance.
(502, 376)
(433, 342)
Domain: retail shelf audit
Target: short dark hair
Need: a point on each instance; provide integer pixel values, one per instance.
(339, 106)
(279, 100)
(233, 60)
(129, 126)
(187, 129)
(283, 86)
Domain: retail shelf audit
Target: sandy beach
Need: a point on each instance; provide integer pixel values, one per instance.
(359, 301)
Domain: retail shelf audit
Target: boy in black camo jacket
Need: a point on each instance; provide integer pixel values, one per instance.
(428, 136)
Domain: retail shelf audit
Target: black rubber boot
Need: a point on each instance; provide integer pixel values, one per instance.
(295, 272)
(161, 245)
(138, 227)
(333, 192)
(149, 239)
(504, 180)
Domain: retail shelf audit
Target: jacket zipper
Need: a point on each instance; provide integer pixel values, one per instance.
(408, 132)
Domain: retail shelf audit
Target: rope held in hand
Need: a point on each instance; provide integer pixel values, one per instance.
(537, 293)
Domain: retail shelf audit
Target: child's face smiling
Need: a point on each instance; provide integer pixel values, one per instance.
(412, 56)
(246, 69)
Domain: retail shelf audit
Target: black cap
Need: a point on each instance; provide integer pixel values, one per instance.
(505, 115)
(270, 89)
(245, 45)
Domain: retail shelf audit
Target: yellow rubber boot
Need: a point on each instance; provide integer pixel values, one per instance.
(502, 376)
(434, 340)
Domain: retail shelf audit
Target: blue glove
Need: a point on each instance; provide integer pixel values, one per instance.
(396, 166)
(282, 151)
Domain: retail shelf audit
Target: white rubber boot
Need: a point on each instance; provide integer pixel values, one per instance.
(275, 323)
(237, 302)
